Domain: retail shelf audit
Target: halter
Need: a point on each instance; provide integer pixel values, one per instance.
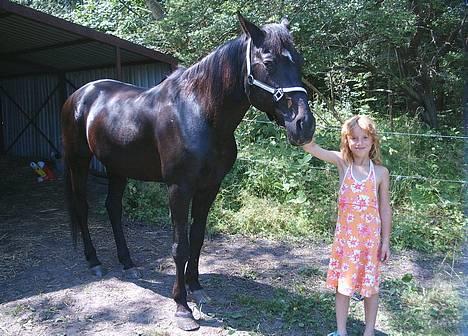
(277, 93)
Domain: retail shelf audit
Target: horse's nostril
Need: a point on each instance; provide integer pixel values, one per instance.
(300, 124)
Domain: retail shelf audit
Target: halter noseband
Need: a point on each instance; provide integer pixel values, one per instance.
(277, 93)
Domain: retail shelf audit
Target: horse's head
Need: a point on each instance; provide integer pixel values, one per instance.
(273, 79)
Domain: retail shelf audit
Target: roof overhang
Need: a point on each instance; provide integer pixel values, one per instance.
(35, 42)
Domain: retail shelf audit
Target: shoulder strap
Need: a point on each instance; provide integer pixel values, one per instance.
(344, 178)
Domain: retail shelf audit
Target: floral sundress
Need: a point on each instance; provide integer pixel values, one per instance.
(354, 264)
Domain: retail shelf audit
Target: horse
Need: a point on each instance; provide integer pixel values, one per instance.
(181, 133)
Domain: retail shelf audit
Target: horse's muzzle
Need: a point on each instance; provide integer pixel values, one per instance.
(301, 129)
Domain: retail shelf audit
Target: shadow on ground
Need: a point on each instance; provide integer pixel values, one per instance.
(47, 289)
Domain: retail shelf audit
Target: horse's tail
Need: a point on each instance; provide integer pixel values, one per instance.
(69, 196)
(69, 200)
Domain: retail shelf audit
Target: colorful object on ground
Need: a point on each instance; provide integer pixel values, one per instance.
(44, 172)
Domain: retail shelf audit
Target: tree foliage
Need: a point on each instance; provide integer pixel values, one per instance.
(403, 56)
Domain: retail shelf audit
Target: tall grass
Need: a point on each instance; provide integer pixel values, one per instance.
(277, 190)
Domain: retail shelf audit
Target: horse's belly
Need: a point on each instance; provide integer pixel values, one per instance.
(134, 164)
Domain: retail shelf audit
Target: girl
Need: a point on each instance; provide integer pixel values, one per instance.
(362, 234)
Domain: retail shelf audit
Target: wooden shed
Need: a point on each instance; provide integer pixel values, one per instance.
(43, 59)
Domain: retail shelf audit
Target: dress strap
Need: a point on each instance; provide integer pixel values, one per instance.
(344, 178)
(374, 178)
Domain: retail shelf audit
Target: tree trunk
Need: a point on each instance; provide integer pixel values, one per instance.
(428, 102)
(156, 9)
(422, 94)
(429, 114)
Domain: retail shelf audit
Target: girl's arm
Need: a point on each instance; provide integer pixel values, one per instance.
(385, 214)
(323, 154)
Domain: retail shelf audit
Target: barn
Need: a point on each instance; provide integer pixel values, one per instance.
(43, 59)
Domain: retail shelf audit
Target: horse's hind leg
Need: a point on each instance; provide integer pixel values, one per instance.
(114, 209)
(201, 205)
(76, 176)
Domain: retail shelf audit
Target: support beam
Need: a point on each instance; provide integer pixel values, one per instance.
(118, 63)
(40, 67)
(21, 52)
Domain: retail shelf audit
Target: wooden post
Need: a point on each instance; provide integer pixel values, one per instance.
(118, 63)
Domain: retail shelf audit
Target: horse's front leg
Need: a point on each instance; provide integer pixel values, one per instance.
(201, 204)
(179, 201)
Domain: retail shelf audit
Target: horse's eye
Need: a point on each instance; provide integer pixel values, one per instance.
(268, 61)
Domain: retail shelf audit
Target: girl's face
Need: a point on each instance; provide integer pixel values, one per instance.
(359, 142)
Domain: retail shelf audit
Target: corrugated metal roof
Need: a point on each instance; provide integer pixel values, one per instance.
(34, 42)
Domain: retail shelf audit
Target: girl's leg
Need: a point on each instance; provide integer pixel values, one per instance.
(341, 307)
(371, 305)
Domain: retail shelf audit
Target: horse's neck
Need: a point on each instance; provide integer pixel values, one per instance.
(218, 82)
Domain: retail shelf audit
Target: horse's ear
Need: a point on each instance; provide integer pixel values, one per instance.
(285, 22)
(251, 30)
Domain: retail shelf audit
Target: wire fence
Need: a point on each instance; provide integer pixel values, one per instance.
(458, 137)
(398, 177)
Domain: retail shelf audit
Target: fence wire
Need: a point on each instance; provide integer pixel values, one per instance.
(395, 176)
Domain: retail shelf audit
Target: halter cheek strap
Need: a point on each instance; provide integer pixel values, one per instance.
(277, 93)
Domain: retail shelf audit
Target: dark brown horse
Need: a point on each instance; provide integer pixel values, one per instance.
(181, 132)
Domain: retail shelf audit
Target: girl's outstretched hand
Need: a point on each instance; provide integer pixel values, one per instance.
(384, 253)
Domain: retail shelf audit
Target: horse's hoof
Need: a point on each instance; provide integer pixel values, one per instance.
(97, 271)
(200, 297)
(132, 273)
(185, 321)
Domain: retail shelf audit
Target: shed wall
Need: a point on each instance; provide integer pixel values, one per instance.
(37, 101)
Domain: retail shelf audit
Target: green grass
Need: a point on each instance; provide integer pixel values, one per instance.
(301, 308)
(280, 192)
(415, 310)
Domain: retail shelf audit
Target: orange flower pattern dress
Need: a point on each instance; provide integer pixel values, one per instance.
(354, 264)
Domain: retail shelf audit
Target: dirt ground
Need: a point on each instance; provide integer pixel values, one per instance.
(46, 288)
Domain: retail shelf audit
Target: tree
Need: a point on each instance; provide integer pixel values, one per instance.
(412, 48)
(354, 50)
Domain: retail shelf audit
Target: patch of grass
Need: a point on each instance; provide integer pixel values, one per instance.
(278, 191)
(406, 308)
(156, 333)
(17, 310)
(415, 310)
(289, 312)
(310, 271)
(147, 201)
(248, 273)
(261, 217)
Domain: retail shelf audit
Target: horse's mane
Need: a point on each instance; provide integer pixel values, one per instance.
(219, 73)
(278, 38)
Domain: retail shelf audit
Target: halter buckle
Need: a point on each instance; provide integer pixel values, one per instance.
(278, 94)
(250, 80)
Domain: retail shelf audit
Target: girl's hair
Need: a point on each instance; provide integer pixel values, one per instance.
(368, 125)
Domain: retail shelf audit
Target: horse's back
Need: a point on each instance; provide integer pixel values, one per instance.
(158, 134)
(111, 120)
(88, 97)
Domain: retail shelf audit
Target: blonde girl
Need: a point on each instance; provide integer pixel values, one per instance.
(362, 234)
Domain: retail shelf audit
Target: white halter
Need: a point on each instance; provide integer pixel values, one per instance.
(277, 93)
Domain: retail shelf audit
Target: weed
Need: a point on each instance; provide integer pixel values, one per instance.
(18, 310)
(310, 271)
